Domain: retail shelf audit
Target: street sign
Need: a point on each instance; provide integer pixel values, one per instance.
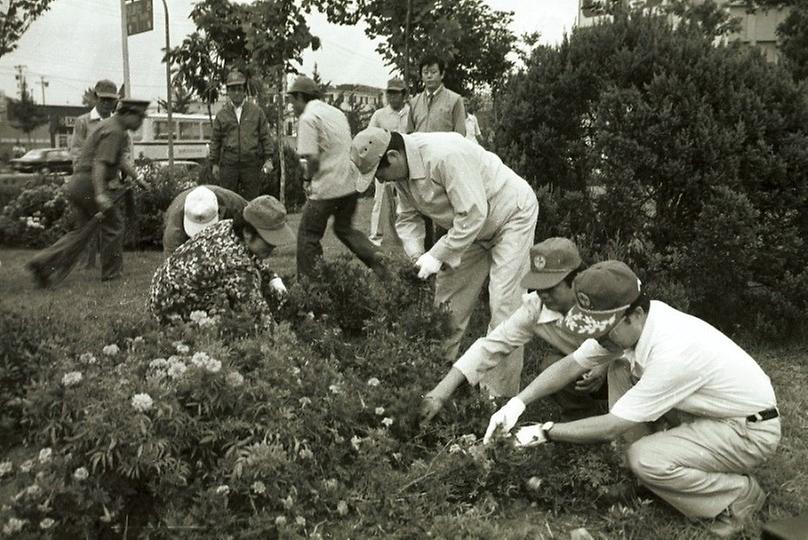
(139, 17)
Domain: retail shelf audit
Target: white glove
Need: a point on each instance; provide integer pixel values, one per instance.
(276, 284)
(530, 436)
(506, 418)
(427, 265)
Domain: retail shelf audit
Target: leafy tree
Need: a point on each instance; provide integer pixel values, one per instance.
(474, 39)
(677, 135)
(25, 114)
(793, 34)
(88, 98)
(180, 100)
(15, 18)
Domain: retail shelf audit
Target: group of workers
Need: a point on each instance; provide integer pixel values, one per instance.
(696, 413)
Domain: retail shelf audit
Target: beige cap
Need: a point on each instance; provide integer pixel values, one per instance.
(367, 149)
(304, 85)
(268, 215)
(201, 209)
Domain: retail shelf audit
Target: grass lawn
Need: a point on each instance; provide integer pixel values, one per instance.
(86, 306)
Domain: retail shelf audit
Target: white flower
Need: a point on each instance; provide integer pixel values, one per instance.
(304, 401)
(235, 379)
(387, 421)
(88, 358)
(181, 347)
(198, 315)
(46, 523)
(176, 369)
(468, 438)
(295, 371)
(379, 411)
(331, 483)
(158, 363)
(203, 361)
(224, 489)
(305, 453)
(355, 440)
(288, 502)
(455, 448)
(27, 465)
(14, 525)
(258, 487)
(280, 521)
(300, 520)
(342, 508)
(81, 474)
(45, 455)
(214, 366)
(111, 350)
(33, 490)
(335, 389)
(373, 381)
(5, 468)
(142, 402)
(534, 483)
(72, 378)
(138, 340)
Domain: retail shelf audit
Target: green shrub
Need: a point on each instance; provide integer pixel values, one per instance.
(35, 218)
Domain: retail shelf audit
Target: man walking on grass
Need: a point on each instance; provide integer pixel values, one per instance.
(330, 180)
(719, 402)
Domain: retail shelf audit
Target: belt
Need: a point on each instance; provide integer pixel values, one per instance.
(768, 414)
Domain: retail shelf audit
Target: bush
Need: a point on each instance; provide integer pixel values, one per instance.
(214, 428)
(690, 157)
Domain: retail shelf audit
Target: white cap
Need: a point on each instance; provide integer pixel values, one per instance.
(201, 210)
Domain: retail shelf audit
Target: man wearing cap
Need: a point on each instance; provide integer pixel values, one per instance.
(106, 99)
(554, 263)
(392, 117)
(196, 208)
(96, 187)
(720, 400)
(323, 144)
(223, 266)
(240, 145)
(490, 214)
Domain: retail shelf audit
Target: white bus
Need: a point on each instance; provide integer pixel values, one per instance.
(191, 137)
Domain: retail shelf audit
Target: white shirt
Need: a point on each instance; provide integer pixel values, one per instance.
(684, 363)
(238, 111)
(391, 119)
(472, 127)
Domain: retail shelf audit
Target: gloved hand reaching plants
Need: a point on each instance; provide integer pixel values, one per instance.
(504, 418)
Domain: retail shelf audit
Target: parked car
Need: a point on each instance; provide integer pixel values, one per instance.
(44, 161)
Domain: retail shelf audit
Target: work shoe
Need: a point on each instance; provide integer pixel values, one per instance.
(738, 514)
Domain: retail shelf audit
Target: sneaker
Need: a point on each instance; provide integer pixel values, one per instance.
(738, 514)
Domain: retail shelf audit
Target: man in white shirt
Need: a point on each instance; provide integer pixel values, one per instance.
(490, 214)
(392, 117)
(554, 263)
(473, 132)
(330, 180)
(678, 363)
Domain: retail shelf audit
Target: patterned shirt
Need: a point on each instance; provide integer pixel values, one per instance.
(212, 271)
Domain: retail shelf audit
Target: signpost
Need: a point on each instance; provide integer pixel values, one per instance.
(139, 17)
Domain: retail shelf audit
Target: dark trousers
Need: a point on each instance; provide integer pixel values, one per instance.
(111, 232)
(243, 177)
(312, 227)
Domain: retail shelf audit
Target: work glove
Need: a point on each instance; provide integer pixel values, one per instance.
(529, 436)
(505, 418)
(276, 284)
(427, 265)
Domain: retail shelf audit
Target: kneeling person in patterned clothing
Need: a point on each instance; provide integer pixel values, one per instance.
(223, 266)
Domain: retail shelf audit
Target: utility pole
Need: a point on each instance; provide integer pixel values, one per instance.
(125, 46)
(20, 76)
(168, 99)
(281, 131)
(44, 84)
(407, 45)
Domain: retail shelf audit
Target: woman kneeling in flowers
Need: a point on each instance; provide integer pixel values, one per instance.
(224, 265)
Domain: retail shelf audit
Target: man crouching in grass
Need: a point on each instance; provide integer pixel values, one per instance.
(677, 363)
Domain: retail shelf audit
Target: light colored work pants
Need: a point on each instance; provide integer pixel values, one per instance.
(505, 260)
(383, 214)
(701, 466)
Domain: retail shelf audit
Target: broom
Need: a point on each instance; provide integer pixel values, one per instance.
(52, 265)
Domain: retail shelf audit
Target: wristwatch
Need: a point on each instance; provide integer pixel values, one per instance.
(545, 430)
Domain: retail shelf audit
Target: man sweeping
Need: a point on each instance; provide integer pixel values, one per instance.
(96, 193)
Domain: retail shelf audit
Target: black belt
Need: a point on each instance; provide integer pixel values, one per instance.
(768, 414)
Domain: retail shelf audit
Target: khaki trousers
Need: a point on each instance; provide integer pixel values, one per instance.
(505, 260)
(703, 465)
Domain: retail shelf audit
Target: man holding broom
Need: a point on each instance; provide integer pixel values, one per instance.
(96, 194)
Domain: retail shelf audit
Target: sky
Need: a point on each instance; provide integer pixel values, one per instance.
(78, 42)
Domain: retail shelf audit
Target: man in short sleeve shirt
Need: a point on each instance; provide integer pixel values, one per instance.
(677, 363)
(96, 187)
(490, 214)
(324, 143)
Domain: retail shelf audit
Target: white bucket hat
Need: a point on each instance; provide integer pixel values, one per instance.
(201, 209)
